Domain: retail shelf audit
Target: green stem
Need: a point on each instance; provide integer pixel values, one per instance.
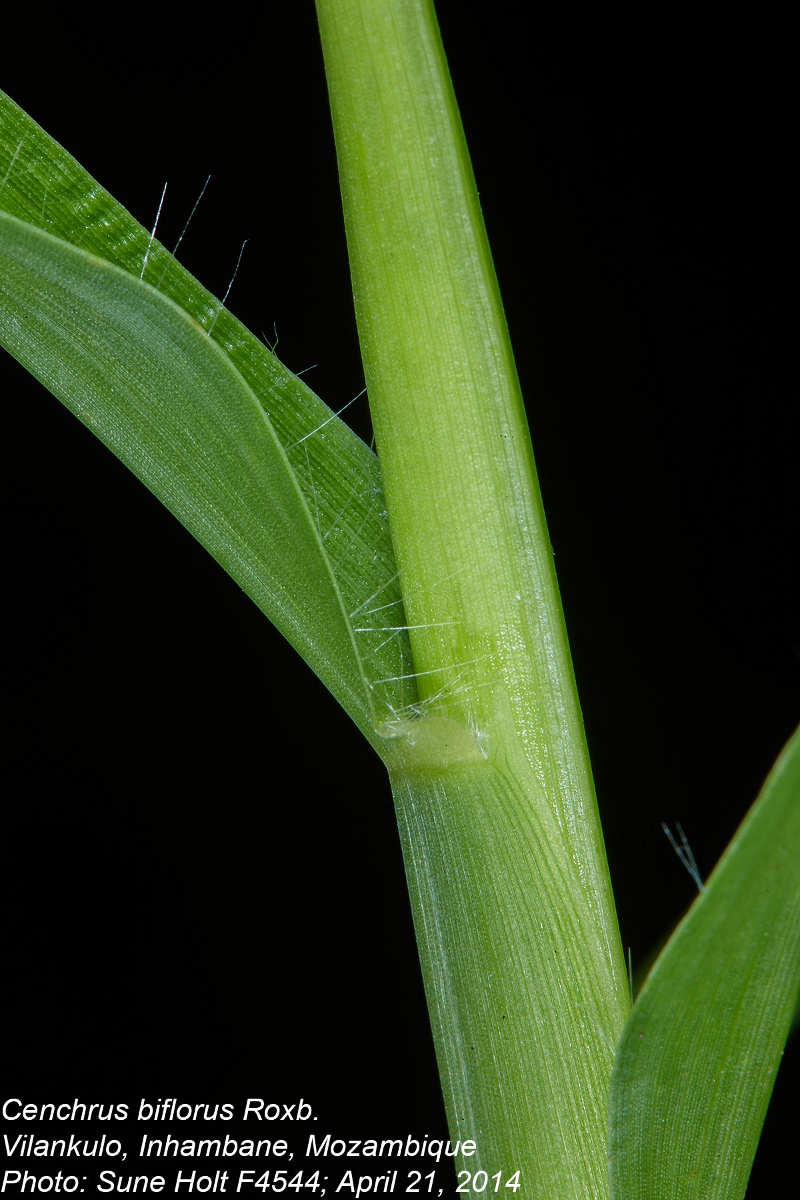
(504, 854)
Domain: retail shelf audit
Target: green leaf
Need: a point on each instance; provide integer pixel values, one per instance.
(280, 491)
(513, 911)
(697, 1060)
(522, 1006)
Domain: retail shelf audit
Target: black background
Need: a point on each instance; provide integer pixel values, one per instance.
(204, 893)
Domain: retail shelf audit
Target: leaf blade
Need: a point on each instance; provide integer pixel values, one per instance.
(697, 1059)
(167, 401)
(337, 475)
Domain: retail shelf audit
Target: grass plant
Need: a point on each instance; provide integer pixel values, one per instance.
(467, 695)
